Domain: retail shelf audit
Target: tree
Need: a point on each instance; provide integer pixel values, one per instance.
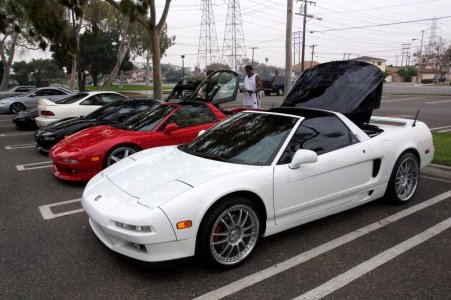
(37, 70)
(97, 53)
(407, 72)
(144, 12)
(15, 31)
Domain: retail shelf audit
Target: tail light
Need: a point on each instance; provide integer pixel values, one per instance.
(47, 113)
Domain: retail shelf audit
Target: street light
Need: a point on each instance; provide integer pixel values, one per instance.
(183, 67)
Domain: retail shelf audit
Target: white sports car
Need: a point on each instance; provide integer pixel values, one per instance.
(259, 173)
(77, 105)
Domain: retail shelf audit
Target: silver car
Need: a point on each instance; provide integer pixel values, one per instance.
(30, 100)
(16, 91)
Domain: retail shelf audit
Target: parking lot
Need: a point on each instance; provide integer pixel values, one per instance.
(376, 251)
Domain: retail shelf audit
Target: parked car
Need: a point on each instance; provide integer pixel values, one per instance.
(114, 112)
(16, 91)
(258, 173)
(78, 105)
(29, 100)
(439, 79)
(25, 120)
(85, 153)
(273, 84)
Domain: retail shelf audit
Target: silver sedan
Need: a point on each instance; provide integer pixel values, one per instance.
(30, 100)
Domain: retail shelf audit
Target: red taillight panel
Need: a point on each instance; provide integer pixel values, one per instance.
(47, 113)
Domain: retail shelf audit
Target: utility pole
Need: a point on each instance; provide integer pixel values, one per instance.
(405, 49)
(313, 53)
(297, 47)
(420, 57)
(253, 48)
(288, 33)
(304, 25)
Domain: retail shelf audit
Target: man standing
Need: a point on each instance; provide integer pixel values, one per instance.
(252, 87)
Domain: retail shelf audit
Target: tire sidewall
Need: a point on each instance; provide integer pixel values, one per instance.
(391, 194)
(203, 250)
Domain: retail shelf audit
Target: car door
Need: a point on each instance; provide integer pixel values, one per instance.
(343, 169)
(190, 118)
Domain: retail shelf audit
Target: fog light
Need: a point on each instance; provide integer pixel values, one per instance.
(145, 228)
(70, 160)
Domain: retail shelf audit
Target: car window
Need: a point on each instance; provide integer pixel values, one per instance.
(191, 115)
(321, 134)
(23, 89)
(147, 120)
(108, 98)
(93, 100)
(245, 138)
(43, 93)
(72, 99)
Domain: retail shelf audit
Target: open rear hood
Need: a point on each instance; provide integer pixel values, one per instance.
(353, 88)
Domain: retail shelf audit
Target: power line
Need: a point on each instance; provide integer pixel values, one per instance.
(379, 25)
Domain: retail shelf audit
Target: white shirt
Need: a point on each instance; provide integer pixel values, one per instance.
(251, 99)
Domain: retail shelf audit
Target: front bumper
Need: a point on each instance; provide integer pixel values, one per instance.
(4, 108)
(106, 205)
(145, 252)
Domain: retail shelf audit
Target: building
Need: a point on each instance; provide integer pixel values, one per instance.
(379, 62)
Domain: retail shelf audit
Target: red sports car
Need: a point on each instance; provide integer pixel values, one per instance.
(82, 155)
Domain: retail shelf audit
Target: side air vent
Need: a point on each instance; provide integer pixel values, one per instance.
(376, 166)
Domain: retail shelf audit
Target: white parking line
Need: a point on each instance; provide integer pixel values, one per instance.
(33, 166)
(402, 99)
(438, 102)
(5, 121)
(15, 134)
(47, 213)
(371, 264)
(303, 257)
(19, 146)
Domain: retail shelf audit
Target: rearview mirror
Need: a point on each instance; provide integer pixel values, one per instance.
(303, 156)
(170, 128)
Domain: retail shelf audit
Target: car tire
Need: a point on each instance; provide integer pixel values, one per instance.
(118, 153)
(16, 107)
(267, 93)
(404, 179)
(228, 233)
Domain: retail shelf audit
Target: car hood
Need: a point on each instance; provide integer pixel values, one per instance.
(66, 123)
(90, 136)
(353, 88)
(157, 175)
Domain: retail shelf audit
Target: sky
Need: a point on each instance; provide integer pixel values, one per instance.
(264, 25)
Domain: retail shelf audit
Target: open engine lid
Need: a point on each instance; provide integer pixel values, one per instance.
(353, 88)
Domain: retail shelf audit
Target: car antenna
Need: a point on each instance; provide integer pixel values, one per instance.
(415, 121)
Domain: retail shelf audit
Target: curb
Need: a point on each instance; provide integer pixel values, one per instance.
(438, 171)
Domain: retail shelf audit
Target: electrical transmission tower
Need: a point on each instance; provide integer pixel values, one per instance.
(208, 50)
(234, 49)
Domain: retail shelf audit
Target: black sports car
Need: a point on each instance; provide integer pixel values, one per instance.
(114, 112)
(25, 119)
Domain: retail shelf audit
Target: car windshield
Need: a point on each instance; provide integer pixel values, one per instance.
(72, 99)
(148, 120)
(246, 138)
(106, 110)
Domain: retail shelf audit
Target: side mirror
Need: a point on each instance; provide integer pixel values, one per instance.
(303, 156)
(170, 128)
(201, 132)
